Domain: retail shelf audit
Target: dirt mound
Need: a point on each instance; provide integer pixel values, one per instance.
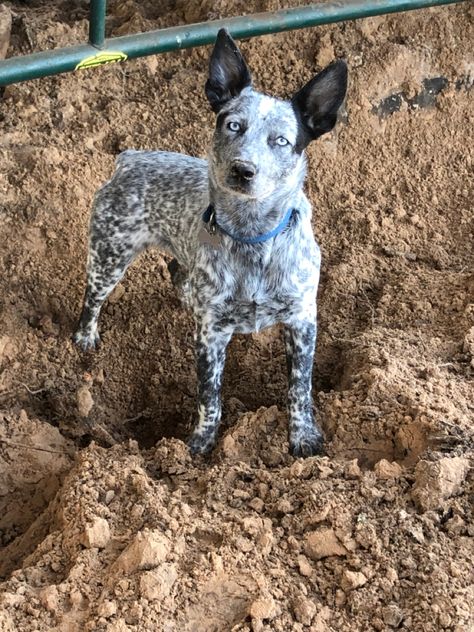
(254, 540)
(33, 458)
(106, 522)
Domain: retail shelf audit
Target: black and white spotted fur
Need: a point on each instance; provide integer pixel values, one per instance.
(254, 175)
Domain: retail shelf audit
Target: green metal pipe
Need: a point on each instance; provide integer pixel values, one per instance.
(97, 23)
(187, 36)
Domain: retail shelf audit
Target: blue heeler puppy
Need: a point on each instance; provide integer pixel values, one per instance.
(238, 226)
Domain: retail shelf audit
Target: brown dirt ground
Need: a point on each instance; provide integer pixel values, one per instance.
(105, 521)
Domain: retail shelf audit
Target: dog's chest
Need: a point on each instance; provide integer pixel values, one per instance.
(260, 303)
(255, 303)
(252, 293)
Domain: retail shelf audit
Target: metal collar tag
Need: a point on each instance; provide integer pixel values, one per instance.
(208, 232)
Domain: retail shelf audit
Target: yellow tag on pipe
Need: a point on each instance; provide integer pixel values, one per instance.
(108, 57)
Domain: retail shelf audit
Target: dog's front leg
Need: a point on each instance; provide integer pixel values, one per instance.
(211, 343)
(305, 436)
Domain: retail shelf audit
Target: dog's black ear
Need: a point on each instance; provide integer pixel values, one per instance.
(319, 100)
(228, 72)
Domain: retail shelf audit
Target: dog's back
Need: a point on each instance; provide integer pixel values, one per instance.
(155, 196)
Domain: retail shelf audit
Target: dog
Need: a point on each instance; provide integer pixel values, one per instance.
(238, 227)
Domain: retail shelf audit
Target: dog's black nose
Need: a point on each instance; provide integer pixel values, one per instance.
(243, 169)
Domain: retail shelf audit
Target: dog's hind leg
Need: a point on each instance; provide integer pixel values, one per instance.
(113, 246)
(305, 436)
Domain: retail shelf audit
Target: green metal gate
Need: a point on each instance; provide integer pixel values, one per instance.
(100, 50)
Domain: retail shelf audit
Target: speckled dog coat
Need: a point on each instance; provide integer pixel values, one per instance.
(238, 226)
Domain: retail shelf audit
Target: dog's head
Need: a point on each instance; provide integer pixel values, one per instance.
(259, 140)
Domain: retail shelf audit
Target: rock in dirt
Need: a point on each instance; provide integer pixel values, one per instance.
(326, 51)
(148, 549)
(352, 469)
(437, 481)
(49, 597)
(76, 598)
(392, 616)
(263, 609)
(468, 345)
(323, 543)
(96, 534)
(7, 349)
(352, 580)
(386, 470)
(304, 610)
(6, 622)
(116, 295)
(455, 525)
(118, 625)
(84, 401)
(107, 609)
(47, 326)
(156, 584)
(304, 566)
(11, 600)
(5, 29)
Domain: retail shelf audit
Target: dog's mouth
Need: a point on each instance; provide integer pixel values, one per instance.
(239, 185)
(251, 190)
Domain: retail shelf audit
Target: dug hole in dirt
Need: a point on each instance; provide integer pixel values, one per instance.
(106, 522)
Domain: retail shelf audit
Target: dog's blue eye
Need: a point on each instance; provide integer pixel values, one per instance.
(281, 140)
(233, 126)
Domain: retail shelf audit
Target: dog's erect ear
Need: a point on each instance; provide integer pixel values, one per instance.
(319, 100)
(228, 72)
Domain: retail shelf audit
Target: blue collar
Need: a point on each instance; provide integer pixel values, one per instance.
(209, 218)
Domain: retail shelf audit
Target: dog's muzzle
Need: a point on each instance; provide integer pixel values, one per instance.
(241, 176)
(243, 170)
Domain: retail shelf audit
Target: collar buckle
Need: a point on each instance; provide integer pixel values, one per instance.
(211, 225)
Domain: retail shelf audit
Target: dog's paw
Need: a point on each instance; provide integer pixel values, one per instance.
(200, 443)
(87, 341)
(310, 443)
